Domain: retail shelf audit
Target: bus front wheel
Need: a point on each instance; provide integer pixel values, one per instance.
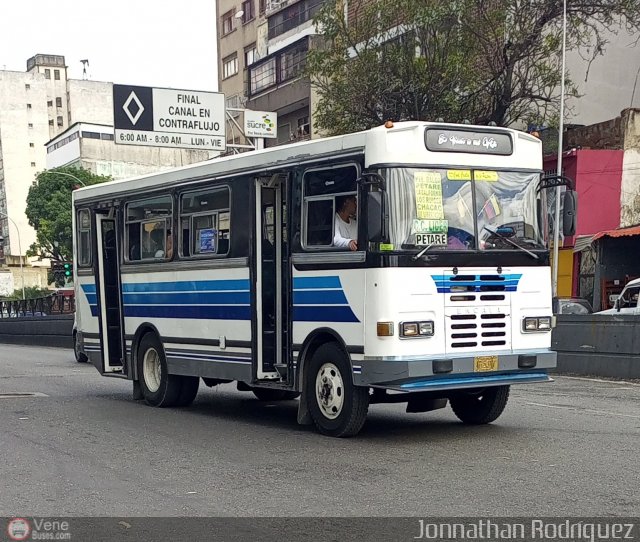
(338, 408)
(482, 406)
(159, 388)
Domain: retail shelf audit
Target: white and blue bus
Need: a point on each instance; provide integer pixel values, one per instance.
(232, 270)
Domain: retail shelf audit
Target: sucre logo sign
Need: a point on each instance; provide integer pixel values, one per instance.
(260, 124)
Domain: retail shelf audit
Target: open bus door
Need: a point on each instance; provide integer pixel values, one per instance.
(109, 299)
(272, 285)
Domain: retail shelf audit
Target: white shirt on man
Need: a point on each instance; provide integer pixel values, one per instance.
(344, 232)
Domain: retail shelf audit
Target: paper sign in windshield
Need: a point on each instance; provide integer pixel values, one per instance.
(480, 175)
(207, 240)
(433, 239)
(459, 175)
(429, 226)
(428, 188)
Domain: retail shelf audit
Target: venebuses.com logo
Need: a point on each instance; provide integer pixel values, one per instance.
(18, 529)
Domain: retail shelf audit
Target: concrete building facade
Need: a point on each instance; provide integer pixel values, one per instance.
(91, 146)
(46, 121)
(262, 48)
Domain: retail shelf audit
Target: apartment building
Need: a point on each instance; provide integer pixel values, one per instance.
(262, 47)
(33, 108)
(48, 120)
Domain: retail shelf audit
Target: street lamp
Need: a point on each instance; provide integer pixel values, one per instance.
(68, 175)
(556, 232)
(19, 249)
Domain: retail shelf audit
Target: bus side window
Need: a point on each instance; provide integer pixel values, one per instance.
(204, 219)
(84, 238)
(141, 219)
(322, 188)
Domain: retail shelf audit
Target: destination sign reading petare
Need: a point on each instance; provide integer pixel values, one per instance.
(447, 140)
(163, 117)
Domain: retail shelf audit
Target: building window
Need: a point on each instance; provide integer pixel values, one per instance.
(229, 66)
(28, 106)
(33, 164)
(31, 145)
(49, 103)
(227, 23)
(293, 16)
(50, 122)
(284, 133)
(60, 120)
(31, 125)
(56, 75)
(262, 6)
(204, 223)
(233, 102)
(247, 11)
(303, 127)
(27, 86)
(58, 102)
(250, 55)
(148, 229)
(281, 67)
(262, 76)
(323, 192)
(47, 73)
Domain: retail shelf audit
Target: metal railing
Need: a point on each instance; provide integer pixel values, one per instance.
(56, 303)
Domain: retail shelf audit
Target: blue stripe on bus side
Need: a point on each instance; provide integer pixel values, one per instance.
(187, 286)
(319, 297)
(316, 283)
(180, 298)
(310, 313)
(315, 299)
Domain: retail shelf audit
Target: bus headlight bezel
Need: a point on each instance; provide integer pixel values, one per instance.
(421, 329)
(536, 324)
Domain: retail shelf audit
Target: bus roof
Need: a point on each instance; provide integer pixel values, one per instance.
(403, 143)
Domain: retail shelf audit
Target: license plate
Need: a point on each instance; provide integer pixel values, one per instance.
(485, 363)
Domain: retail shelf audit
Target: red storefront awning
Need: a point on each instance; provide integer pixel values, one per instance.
(621, 232)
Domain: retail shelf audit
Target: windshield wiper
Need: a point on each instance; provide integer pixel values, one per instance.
(422, 252)
(512, 243)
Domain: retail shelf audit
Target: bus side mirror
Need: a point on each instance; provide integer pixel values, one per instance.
(374, 216)
(569, 213)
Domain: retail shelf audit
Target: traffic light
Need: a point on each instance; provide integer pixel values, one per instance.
(61, 272)
(68, 271)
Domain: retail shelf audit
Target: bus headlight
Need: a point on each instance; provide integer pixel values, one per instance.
(416, 329)
(539, 323)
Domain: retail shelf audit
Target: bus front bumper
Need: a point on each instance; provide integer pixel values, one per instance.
(413, 375)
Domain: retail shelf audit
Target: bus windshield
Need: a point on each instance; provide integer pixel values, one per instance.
(463, 209)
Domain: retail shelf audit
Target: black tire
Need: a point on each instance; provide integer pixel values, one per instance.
(351, 415)
(167, 391)
(81, 357)
(481, 406)
(189, 390)
(271, 394)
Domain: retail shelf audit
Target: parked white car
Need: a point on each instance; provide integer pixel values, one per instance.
(627, 302)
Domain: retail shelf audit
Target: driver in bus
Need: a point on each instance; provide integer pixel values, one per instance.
(345, 225)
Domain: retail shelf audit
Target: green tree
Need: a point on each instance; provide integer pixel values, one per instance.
(49, 210)
(483, 60)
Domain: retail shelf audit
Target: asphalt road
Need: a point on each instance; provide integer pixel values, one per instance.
(83, 447)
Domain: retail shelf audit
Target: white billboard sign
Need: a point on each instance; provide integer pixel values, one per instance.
(163, 117)
(260, 124)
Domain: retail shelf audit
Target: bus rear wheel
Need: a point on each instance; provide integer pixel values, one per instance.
(338, 408)
(159, 388)
(271, 394)
(477, 407)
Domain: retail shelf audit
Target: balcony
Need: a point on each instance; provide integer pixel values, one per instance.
(292, 16)
(281, 67)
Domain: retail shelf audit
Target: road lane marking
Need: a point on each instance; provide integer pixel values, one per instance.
(589, 410)
(618, 382)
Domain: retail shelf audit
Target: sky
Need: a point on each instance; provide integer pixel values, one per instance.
(151, 43)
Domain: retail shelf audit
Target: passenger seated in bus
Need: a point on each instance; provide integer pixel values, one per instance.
(162, 249)
(345, 225)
